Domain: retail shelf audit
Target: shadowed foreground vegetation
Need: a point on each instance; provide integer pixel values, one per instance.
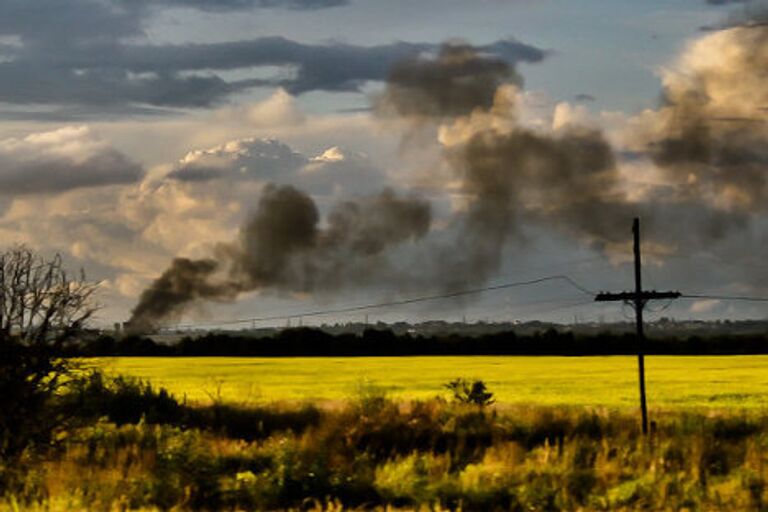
(130, 446)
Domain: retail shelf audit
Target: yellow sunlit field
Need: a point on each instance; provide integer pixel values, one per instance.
(672, 381)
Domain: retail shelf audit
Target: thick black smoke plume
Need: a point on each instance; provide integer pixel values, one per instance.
(184, 282)
(282, 248)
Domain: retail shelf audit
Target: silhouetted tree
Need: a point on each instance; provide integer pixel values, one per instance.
(475, 392)
(42, 308)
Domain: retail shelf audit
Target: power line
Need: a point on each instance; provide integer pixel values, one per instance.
(402, 302)
(563, 306)
(724, 297)
(661, 309)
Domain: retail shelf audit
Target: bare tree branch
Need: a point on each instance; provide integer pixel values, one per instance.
(40, 303)
(42, 307)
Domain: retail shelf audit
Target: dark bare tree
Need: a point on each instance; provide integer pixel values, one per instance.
(42, 308)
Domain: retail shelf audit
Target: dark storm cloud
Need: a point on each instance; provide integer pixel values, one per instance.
(50, 173)
(333, 67)
(725, 2)
(116, 74)
(236, 5)
(25, 83)
(45, 21)
(745, 13)
(283, 248)
(78, 113)
(94, 54)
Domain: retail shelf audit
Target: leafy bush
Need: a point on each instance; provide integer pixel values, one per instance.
(414, 479)
(474, 392)
(124, 400)
(121, 399)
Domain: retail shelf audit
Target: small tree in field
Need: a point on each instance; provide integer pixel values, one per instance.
(42, 308)
(467, 392)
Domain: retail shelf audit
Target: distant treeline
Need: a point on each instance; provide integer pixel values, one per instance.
(374, 342)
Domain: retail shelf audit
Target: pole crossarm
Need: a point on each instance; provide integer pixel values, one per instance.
(638, 298)
(644, 296)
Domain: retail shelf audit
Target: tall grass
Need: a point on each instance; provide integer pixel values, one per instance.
(374, 452)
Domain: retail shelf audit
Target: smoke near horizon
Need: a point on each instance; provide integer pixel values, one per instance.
(704, 147)
(283, 248)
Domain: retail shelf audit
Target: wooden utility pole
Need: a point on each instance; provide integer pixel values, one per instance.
(638, 299)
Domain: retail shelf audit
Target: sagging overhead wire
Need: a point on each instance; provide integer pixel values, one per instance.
(402, 302)
(724, 297)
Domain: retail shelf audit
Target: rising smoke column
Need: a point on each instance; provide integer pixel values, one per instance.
(283, 249)
(268, 252)
(712, 132)
(184, 282)
(508, 173)
(709, 142)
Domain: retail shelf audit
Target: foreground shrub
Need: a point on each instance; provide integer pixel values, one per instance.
(124, 400)
(121, 399)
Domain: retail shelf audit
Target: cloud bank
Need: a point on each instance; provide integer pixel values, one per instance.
(93, 58)
(61, 160)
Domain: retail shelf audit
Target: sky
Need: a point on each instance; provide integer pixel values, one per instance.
(208, 161)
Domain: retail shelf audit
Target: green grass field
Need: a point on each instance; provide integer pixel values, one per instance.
(719, 382)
